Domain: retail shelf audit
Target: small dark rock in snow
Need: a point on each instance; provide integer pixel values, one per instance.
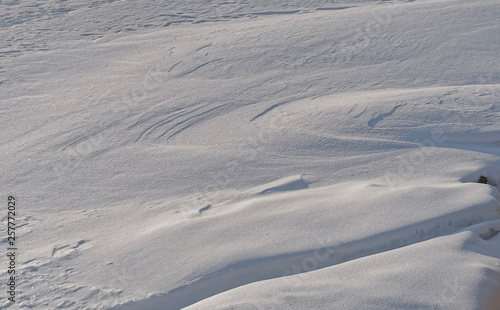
(483, 180)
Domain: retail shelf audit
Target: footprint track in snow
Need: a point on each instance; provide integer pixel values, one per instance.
(68, 249)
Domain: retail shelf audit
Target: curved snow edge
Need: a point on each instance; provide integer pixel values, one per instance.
(246, 272)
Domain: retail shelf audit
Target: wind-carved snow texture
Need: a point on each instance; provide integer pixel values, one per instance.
(53, 17)
(252, 154)
(285, 184)
(378, 119)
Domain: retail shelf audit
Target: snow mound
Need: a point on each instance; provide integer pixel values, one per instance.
(449, 270)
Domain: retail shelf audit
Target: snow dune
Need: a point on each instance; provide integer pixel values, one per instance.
(450, 271)
(323, 227)
(252, 155)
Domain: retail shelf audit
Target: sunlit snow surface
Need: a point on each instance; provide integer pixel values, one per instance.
(252, 154)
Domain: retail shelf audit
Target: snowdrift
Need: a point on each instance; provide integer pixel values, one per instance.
(252, 155)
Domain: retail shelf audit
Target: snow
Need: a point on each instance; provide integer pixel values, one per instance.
(252, 154)
(406, 278)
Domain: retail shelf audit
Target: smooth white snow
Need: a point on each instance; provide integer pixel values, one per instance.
(252, 154)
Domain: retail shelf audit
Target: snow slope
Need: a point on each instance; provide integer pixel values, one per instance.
(387, 280)
(252, 155)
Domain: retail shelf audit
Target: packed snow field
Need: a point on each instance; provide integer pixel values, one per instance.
(251, 154)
